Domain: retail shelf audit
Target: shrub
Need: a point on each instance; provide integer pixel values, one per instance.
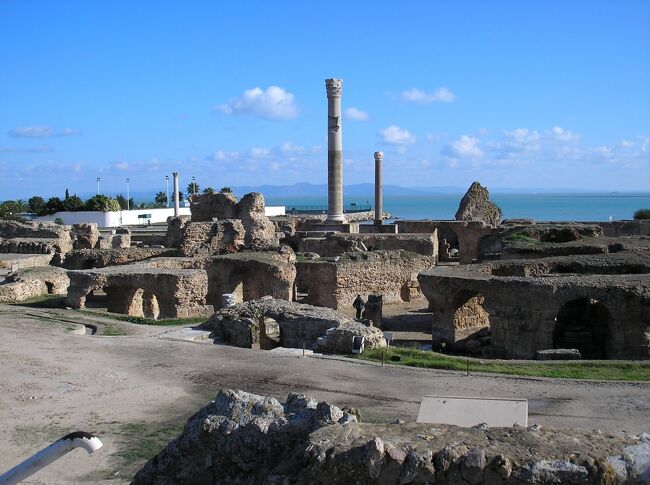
(642, 214)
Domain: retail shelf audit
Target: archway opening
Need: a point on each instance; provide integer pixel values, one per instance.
(583, 324)
(448, 244)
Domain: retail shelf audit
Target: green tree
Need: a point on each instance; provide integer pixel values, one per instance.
(53, 204)
(192, 188)
(161, 199)
(642, 214)
(73, 203)
(102, 203)
(10, 208)
(226, 190)
(36, 205)
(123, 202)
(208, 190)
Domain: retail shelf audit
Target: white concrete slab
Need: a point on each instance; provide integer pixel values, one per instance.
(190, 334)
(470, 411)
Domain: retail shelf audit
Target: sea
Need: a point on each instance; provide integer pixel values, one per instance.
(594, 207)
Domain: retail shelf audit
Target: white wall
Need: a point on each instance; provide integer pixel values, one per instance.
(129, 218)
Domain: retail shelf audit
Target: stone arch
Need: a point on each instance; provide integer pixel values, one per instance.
(470, 317)
(150, 306)
(583, 324)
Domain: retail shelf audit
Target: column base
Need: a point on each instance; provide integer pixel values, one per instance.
(335, 219)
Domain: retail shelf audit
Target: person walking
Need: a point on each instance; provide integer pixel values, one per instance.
(358, 305)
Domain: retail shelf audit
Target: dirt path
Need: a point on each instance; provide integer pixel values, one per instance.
(136, 391)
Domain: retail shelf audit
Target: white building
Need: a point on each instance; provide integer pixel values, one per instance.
(137, 217)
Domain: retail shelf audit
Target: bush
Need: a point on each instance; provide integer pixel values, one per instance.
(58, 221)
(642, 214)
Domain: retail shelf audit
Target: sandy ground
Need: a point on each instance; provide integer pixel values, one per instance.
(53, 381)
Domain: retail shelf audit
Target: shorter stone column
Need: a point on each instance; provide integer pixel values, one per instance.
(379, 156)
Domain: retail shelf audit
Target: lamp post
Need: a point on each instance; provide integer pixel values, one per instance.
(167, 188)
(193, 185)
(98, 179)
(128, 207)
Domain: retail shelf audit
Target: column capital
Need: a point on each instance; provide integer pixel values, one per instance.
(379, 156)
(333, 87)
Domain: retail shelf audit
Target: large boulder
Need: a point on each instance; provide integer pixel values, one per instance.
(260, 231)
(339, 340)
(217, 205)
(476, 206)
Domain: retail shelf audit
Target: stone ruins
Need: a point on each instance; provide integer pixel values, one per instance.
(245, 438)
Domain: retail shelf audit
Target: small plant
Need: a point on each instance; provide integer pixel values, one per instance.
(642, 214)
(520, 237)
(59, 221)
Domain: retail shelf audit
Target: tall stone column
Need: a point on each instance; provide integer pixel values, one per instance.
(379, 203)
(176, 201)
(334, 152)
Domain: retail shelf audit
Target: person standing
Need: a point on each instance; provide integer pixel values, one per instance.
(358, 305)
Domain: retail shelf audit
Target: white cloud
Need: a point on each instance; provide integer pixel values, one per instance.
(289, 147)
(356, 114)
(415, 95)
(260, 152)
(119, 165)
(274, 166)
(464, 147)
(222, 156)
(561, 134)
(39, 131)
(36, 149)
(396, 135)
(273, 103)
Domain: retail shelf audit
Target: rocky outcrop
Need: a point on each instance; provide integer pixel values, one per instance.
(210, 238)
(260, 232)
(28, 283)
(249, 439)
(339, 340)
(175, 227)
(476, 206)
(298, 324)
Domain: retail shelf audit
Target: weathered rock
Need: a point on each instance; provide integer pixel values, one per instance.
(476, 206)
(558, 354)
(299, 324)
(249, 439)
(260, 231)
(339, 340)
(175, 225)
(28, 283)
(100, 258)
(210, 238)
(218, 205)
(85, 235)
(34, 237)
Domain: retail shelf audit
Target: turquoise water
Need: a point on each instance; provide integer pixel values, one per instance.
(541, 207)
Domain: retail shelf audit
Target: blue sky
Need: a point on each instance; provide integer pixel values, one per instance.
(549, 94)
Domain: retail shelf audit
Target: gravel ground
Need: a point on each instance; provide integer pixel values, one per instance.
(53, 381)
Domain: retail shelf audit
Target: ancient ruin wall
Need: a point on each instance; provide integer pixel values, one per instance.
(337, 244)
(336, 284)
(523, 311)
(140, 291)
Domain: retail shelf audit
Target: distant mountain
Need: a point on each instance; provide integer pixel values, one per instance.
(354, 190)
